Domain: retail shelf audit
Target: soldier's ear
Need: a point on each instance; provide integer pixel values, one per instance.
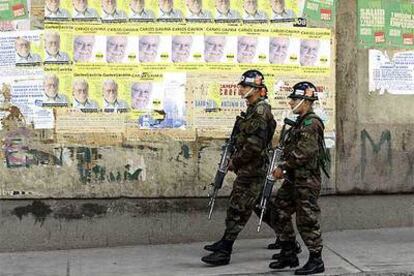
(263, 92)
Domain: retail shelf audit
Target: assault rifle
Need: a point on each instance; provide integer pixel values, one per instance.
(227, 151)
(275, 160)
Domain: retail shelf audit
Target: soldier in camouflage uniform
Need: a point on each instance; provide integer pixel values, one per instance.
(248, 162)
(304, 156)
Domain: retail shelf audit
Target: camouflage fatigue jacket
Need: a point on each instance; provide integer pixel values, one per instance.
(302, 151)
(256, 130)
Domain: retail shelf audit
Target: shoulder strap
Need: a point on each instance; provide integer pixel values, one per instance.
(312, 115)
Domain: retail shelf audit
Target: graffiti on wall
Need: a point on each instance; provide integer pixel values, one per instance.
(17, 154)
(385, 140)
(90, 170)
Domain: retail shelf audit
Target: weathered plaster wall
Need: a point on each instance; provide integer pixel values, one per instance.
(375, 142)
(59, 224)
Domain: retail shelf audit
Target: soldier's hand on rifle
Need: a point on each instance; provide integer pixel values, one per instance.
(278, 173)
(231, 166)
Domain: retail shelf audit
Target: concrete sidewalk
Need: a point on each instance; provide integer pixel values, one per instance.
(367, 252)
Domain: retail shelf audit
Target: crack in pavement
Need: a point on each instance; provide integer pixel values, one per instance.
(343, 258)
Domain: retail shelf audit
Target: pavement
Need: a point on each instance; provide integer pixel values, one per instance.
(351, 252)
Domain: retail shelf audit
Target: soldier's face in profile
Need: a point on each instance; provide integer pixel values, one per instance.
(137, 5)
(52, 5)
(80, 5)
(22, 47)
(250, 6)
(109, 6)
(166, 5)
(83, 47)
(214, 48)
(148, 48)
(51, 86)
(110, 92)
(293, 103)
(309, 51)
(80, 92)
(194, 6)
(52, 44)
(246, 49)
(223, 6)
(140, 95)
(278, 6)
(244, 89)
(180, 48)
(116, 48)
(278, 49)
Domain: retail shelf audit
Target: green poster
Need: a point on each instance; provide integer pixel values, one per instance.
(13, 9)
(371, 23)
(400, 19)
(320, 12)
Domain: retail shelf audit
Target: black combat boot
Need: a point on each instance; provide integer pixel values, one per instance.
(287, 257)
(214, 246)
(221, 256)
(275, 245)
(313, 266)
(298, 250)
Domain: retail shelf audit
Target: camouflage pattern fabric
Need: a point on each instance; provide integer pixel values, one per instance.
(249, 160)
(302, 151)
(256, 132)
(302, 201)
(243, 199)
(300, 192)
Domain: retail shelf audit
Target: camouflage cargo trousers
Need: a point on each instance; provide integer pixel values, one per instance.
(244, 199)
(301, 200)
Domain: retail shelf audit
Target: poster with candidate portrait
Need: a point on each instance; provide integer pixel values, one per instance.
(168, 10)
(21, 48)
(87, 88)
(113, 11)
(58, 43)
(154, 48)
(252, 49)
(121, 49)
(283, 50)
(220, 49)
(158, 101)
(198, 11)
(89, 48)
(58, 11)
(187, 48)
(57, 86)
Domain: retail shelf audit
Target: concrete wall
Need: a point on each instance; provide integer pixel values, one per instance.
(374, 155)
(375, 142)
(59, 224)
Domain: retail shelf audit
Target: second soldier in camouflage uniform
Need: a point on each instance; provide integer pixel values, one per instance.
(248, 162)
(304, 156)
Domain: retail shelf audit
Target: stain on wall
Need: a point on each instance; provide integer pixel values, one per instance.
(39, 210)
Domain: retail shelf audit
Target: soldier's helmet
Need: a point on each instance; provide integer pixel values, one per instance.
(304, 90)
(252, 78)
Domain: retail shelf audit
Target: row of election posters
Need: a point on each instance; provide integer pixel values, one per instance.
(189, 10)
(291, 47)
(150, 100)
(384, 24)
(173, 10)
